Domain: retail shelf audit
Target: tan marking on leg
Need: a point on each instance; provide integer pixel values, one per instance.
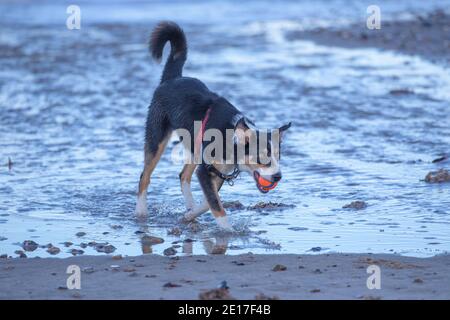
(150, 162)
(185, 183)
(186, 173)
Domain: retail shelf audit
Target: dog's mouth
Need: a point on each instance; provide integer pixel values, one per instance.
(262, 184)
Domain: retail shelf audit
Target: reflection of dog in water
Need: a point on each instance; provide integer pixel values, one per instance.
(219, 247)
(180, 101)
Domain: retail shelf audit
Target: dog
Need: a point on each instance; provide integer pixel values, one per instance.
(178, 102)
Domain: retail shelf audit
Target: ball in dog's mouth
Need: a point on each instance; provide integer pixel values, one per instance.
(262, 184)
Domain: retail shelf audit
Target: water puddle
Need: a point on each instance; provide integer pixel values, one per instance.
(366, 126)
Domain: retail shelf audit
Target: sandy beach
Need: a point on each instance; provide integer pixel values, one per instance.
(425, 35)
(248, 276)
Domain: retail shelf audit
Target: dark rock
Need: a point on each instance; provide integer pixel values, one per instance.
(171, 285)
(233, 205)
(88, 270)
(270, 205)
(357, 205)
(108, 248)
(29, 245)
(170, 251)
(53, 250)
(216, 294)
(442, 158)
(279, 267)
(439, 176)
(262, 296)
(76, 252)
(398, 92)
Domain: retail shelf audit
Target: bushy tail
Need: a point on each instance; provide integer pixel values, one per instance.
(169, 31)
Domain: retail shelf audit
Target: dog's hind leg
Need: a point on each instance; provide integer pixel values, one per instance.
(211, 193)
(185, 181)
(152, 154)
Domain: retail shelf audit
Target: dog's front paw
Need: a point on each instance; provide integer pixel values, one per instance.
(141, 207)
(185, 220)
(189, 216)
(223, 224)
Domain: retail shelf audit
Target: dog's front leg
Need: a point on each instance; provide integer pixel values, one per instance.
(197, 211)
(212, 197)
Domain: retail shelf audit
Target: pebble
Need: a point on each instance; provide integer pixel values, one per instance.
(171, 285)
(114, 267)
(117, 257)
(105, 248)
(233, 205)
(29, 245)
(53, 250)
(88, 270)
(67, 243)
(262, 296)
(439, 176)
(76, 252)
(170, 251)
(357, 205)
(20, 253)
(270, 205)
(80, 234)
(279, 267)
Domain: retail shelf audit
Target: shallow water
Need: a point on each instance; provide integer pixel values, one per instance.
(73, 107)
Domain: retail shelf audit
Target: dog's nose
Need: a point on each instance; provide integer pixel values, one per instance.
(276, 177)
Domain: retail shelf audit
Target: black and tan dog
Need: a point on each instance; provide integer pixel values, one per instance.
(180, 101)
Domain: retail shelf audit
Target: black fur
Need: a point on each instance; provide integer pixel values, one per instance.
(179, 101)
(169, 31)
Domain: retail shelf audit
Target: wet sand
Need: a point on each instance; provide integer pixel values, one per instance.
(326, 276)
(425, 35)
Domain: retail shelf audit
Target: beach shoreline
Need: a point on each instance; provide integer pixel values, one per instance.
(248, 276)
(424, 35)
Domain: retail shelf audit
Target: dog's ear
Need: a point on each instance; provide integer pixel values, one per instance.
(283, 129)
(240, 131)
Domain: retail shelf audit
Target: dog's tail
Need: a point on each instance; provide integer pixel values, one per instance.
(169, 31)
